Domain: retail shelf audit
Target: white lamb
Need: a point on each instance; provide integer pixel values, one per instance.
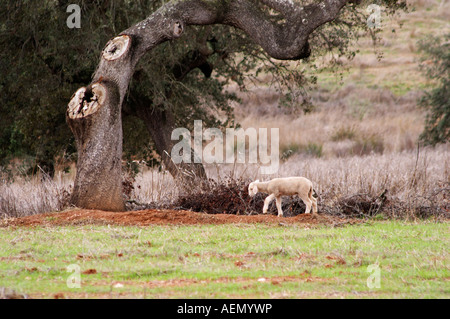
(285, 186)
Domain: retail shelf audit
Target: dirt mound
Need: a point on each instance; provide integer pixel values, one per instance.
(165, 217)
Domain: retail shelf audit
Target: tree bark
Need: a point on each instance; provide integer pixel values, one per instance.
(95, 119)
(94, 113)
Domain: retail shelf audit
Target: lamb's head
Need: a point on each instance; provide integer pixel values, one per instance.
(252, 188)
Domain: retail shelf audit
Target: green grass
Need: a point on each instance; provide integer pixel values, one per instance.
(226, 261)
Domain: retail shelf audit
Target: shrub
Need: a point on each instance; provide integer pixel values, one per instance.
(437, 101)
(368, 145)
(231, 197)
(289, 150)
(344, 133)
(314, 149)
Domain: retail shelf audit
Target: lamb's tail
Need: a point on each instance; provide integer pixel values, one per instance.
(312, 192)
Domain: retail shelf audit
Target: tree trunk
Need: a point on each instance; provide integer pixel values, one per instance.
(94, 112)
(98, 183)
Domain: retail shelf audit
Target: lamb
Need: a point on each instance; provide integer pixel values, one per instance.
(277, 187)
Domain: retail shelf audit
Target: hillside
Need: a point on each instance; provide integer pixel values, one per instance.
(372, 108)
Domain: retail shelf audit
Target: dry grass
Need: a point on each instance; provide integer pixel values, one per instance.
(416, 180)
(414, 183)
(153, 186)
(372, 114)
(34, 195)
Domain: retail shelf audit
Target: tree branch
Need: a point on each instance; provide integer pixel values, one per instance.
(286, 41)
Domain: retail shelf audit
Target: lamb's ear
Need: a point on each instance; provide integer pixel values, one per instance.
(257, 181)
(255, 189)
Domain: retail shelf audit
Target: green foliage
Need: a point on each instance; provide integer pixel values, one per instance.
(436, 58)
(42, 63)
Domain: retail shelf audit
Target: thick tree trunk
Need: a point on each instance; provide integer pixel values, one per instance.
(98, 183)
(94, 112)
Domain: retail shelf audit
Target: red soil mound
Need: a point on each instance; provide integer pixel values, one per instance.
(164, 217)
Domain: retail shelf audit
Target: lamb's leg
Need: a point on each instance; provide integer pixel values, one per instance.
(313, 201)
(314, 205)
(280, 211)
(307, 202)
(267, 202)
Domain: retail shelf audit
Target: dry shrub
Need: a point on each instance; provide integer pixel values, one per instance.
(357, 205)
(363, 205)
(417, 183)
(230, 196)
(344, 133)
(151, 188)
(368, 145)
(411, 184)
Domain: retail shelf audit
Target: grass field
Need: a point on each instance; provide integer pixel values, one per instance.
(223, 261)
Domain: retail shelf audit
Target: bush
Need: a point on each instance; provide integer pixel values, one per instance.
(344, 133)
(436, 64)
(231, 197)
(314, 149)
(368, 145)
